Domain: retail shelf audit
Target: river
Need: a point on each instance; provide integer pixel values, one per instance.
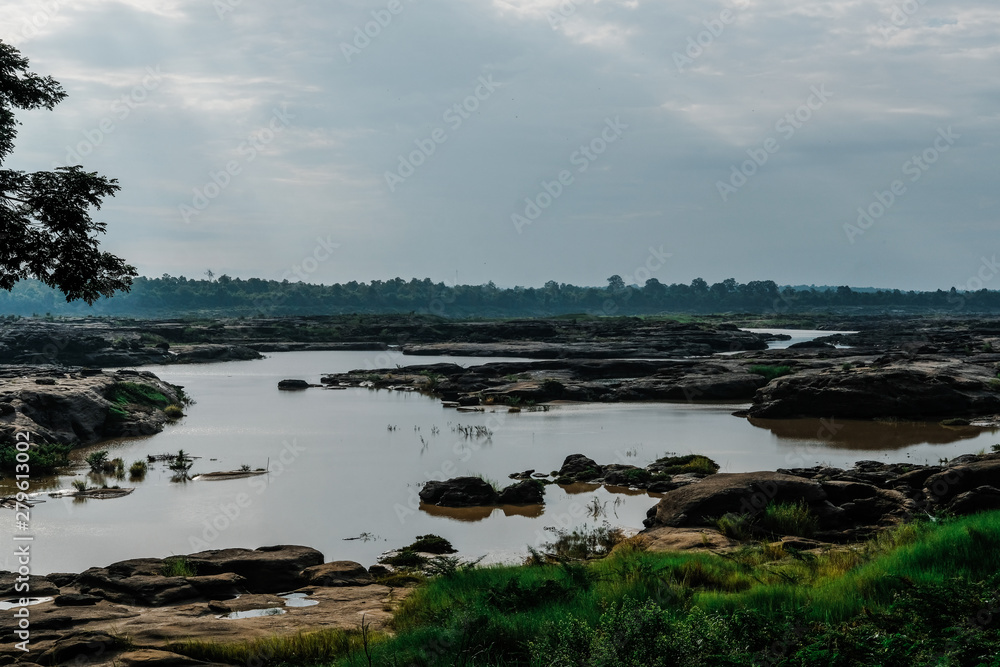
(338, 472)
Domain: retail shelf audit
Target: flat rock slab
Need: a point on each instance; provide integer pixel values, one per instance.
(339, 573)
(667, 538)
(266, 570)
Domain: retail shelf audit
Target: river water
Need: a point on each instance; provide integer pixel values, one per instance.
(337, 471)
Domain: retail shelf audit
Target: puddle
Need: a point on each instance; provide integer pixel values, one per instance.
(291, 600)
(299, 600)
(254, 613)
(6, 605)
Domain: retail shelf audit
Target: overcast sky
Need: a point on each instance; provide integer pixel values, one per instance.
(523, 141)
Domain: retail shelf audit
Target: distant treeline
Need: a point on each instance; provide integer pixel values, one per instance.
(224, 296)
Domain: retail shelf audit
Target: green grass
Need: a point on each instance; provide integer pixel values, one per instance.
(770, 372)
(178, 566)
(678, 465)
(304, 648)
(899, 599)
(124, 394)
(789, 519)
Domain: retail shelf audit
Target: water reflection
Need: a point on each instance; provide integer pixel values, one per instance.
(868, 435)
(479, 513)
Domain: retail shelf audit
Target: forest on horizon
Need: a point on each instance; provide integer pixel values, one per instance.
(169, 296)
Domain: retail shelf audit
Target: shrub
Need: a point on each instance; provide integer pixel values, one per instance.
(173, 411)
(553, 387)
(44, 458)
(735, 526)
(80, 485)
(404, 558)
(96, 460)
(678, 465)
(770, 372)
(138, 469)
(432, 544)
(582, 543)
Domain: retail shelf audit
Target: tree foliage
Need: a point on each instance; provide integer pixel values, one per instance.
(46, 231)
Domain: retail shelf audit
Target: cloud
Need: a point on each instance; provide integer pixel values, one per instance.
(367, 83)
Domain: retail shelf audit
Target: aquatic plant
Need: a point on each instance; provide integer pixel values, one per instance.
(96, 460)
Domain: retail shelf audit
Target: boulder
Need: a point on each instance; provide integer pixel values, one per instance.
(914, 390)
(942, 487)
(528, 492)
(215, 586)
(267, 570)
(62, 579)
(459, 492)
(292, 385)
(140, 589)
(980, 499)
(841, 492)
(338, 573)
(578, 468)
(40, 586)
(723, 493)
(626, 475)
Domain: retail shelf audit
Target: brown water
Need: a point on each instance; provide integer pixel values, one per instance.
(337, 472)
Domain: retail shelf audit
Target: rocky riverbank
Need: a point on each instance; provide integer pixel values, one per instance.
(841, 506)
(76, 406)
(99, 342)
(135, 611)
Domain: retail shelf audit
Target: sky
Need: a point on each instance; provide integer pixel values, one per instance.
(519, 141)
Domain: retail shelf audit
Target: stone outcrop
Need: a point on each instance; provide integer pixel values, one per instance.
(925, 389)
(79, 407)
(93, 611)
(476, 492)
(847, 504)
